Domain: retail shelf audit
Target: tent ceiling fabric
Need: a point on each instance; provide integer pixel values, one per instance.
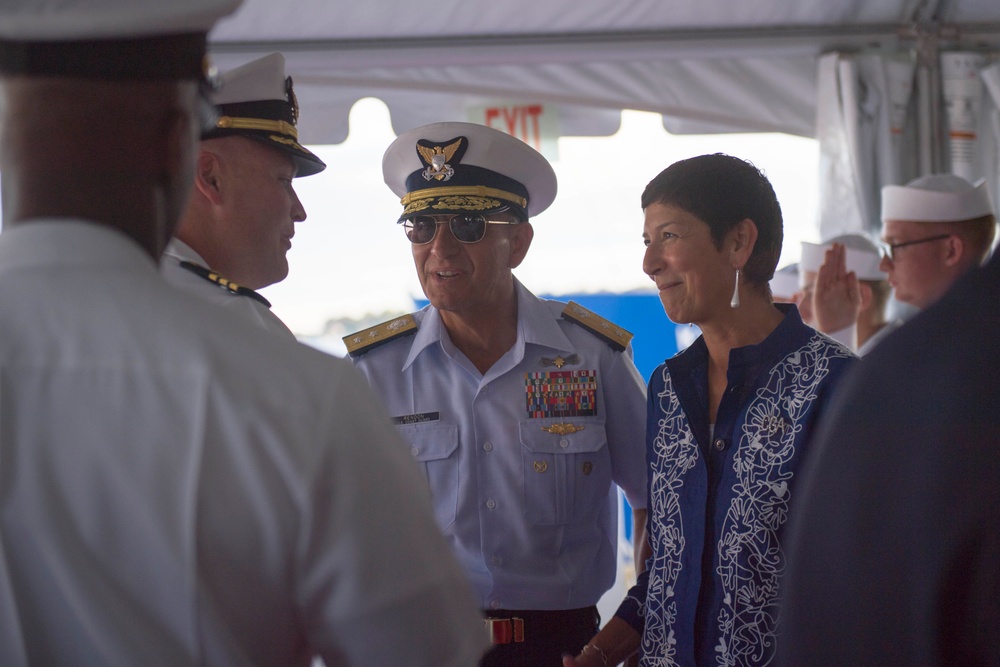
(710, 66)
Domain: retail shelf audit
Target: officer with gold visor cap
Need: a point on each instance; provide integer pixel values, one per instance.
(525, 414)
(239, 224)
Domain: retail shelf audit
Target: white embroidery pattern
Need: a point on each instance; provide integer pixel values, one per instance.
(750, 557)
(676, 452)
(774, 418)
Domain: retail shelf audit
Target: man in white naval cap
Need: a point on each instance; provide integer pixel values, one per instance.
(239, 223)
(843, 292)
(934, 230)
(523, 413)
(785, 283)
(176, 488)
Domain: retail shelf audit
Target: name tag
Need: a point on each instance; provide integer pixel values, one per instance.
(418, 418)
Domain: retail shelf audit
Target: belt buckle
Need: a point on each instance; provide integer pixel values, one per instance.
(505, 630)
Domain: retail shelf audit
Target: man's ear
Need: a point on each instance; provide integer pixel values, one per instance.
(208, 176)
(520, 242)
(956, 250)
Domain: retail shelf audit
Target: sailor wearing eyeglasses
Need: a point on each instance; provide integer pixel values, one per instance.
(935, 229)
(523, 413)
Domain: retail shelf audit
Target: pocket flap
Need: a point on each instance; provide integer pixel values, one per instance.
(430, 442)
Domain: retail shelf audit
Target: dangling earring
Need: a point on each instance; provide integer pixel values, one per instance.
(735, 303)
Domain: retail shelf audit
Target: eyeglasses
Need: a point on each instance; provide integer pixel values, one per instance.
(889, 249)
(466, 227)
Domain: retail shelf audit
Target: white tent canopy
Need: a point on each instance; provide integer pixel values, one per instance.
(707, 66)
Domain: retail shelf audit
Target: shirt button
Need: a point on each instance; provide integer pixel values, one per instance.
(564, 443)
(495, 604)
(719, 444)
(414, 450)
(488, 446)
(490, 504)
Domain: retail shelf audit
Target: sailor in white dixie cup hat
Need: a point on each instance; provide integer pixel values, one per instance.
(934, 230)
(177, 488)
(785, 283)
(524, 414)
(238, 226)
(843, 292)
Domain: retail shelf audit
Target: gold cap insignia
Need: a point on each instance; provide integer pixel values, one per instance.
(437, 158)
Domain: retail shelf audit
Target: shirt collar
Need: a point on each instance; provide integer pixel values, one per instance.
(183, 252)
(70, 242)
(535, 325)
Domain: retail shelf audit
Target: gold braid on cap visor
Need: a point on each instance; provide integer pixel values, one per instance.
(467, 190)
(230, 123)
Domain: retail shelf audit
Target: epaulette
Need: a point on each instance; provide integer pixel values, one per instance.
(365, 341)
(224, 283)
(609, 332)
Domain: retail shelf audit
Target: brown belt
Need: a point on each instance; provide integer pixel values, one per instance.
(505, 630)
(508, 626)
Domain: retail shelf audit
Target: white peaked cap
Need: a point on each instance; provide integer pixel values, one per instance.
(73, 20)
(862, 256)
(785, 282)
(256, 100)
(936, 198)
(487, 158)
(255, 81)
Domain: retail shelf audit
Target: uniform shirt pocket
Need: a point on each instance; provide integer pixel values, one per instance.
(566, 469)
(435, 447)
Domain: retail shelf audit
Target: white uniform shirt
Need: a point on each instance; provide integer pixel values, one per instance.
(531, 514)
(179, 489)
(256, 311)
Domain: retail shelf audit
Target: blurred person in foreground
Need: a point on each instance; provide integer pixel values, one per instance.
(844, 293)
(894, 547)
(238, 226)
(935, 229)
(524, 413)
(728, 421)
(176, 488)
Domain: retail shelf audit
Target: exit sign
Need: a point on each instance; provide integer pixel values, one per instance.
(535, 124)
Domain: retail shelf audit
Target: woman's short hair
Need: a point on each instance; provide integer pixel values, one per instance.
(722, 190)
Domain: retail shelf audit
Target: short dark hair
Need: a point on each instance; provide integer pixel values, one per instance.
(721, 191)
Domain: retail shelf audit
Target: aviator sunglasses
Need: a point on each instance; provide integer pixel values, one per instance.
(466, 227)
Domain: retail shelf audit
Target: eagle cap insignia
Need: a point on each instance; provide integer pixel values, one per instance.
(439, 157)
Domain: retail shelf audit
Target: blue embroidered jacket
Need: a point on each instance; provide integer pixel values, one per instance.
(718, 504)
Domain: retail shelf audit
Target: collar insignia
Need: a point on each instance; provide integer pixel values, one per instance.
(438, 158)
(224, 283)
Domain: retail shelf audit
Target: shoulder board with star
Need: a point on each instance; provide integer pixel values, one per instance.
(365, 341)
(608, 331)
(224, 283)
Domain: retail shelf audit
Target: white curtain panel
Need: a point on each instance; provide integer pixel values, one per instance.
(862, 125)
